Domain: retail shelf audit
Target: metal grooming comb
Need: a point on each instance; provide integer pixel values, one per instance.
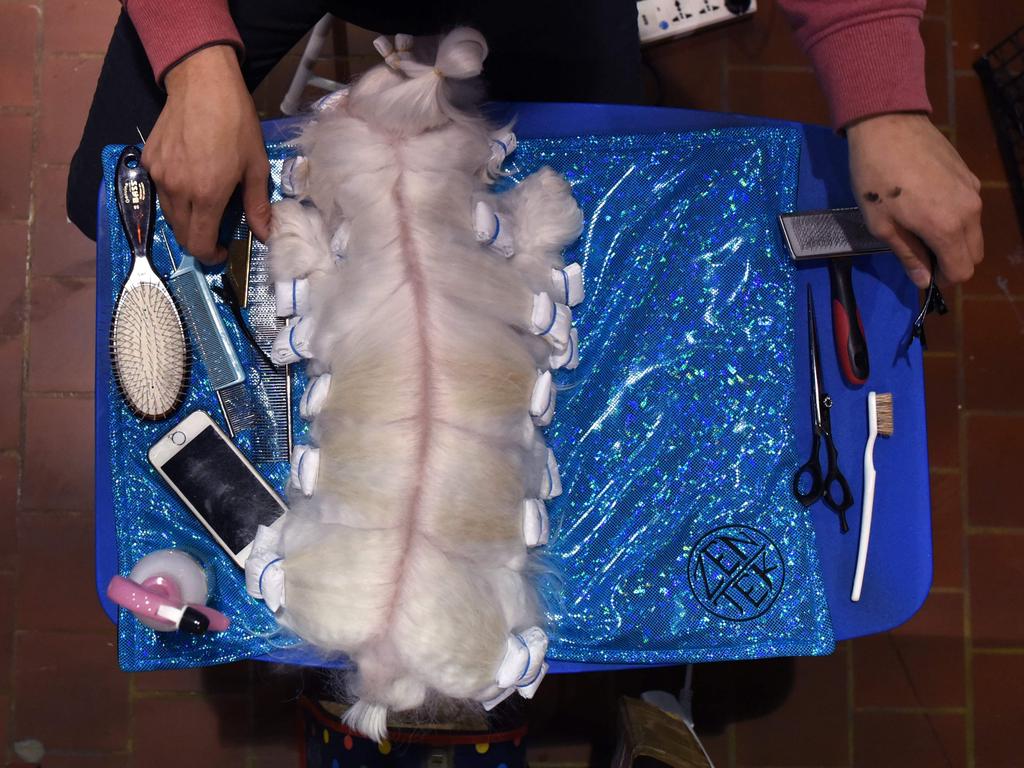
(272, 390)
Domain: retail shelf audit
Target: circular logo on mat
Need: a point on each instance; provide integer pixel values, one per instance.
(736, 572)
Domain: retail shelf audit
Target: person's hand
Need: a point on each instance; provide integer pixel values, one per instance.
(914, 190)
(206, 142)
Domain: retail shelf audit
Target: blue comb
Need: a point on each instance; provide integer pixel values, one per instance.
(209, 336)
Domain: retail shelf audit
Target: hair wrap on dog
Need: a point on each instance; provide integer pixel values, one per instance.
(420, 493)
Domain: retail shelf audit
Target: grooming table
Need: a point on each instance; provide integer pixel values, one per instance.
(900, 560)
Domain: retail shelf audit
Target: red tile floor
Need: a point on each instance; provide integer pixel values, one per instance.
(943, 690)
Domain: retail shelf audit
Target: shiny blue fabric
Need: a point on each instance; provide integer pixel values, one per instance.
(676, 538)
(148, 516)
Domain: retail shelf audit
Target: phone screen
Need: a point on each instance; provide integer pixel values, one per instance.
(222, 488)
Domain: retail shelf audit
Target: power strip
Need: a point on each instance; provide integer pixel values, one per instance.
(662, 19)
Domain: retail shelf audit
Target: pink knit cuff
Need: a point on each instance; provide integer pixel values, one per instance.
(170, 30)
(872, 67)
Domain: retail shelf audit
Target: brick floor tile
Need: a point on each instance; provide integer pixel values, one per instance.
(58, 248)
(782, 737)
(215, 727)
(896, 740)
(68, 84)
(936, 61)
(998, 709)
(69, 692)
(975, 135)
(15, 166)
(62, 335)
(79, 26)
(766, 39)
(70, 760)
(979, 26)
(943, 411)
(997, 606)
(684, 85)
(1002, 270)
(947, 531)
(11, 354)
(13, 261)
(921, 664)
(759, 92)
(7, 609)
(994, 353)
(55, 554)
(223, 678)
(8, 510)
(18, 25)
(58, 471)
(995, 443)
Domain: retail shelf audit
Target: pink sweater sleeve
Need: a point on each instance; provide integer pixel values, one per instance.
(172, 29)
(868, 54)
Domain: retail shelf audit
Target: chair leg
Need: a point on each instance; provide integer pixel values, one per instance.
(304, 74)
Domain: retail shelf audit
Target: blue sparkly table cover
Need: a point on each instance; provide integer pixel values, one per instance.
(678, 601)
(147, 514)
(677, 537)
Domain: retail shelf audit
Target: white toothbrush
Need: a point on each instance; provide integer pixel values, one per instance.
(879, 423)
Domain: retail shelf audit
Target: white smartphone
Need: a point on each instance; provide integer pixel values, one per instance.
(223, 490)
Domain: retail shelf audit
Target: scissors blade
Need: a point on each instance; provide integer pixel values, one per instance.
(815, 360)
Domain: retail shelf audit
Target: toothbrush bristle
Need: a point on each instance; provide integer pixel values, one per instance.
(883, 410)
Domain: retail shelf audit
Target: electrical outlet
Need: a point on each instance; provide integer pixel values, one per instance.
(662, 19)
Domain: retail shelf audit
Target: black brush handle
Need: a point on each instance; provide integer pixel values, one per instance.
(851, 343)
(135, 201)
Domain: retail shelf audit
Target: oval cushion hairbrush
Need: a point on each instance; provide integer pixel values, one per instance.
(147, 339)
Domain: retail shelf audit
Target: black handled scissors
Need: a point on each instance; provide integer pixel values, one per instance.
(821, 484)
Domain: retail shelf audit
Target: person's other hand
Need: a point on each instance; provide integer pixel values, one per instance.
(914, 190)
(206, 142)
